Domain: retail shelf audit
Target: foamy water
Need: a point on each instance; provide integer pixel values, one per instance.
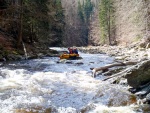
(67, 88)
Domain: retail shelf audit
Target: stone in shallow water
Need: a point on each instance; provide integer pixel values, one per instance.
(148, 97)
(79, 63)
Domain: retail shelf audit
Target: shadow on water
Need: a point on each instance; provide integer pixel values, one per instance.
(28, 65)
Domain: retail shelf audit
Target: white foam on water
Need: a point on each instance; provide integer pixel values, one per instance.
(121, 109)
(67, 87)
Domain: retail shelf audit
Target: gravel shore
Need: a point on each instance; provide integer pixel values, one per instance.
(134, 53)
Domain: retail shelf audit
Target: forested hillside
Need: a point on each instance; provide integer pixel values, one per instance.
(37, 24)
(45, 23)
(109, 21)
(78, 14)
(31, 21)
(123, 22)
(132, 20)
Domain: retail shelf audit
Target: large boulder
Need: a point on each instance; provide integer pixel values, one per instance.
(148, 98)
(139, 74)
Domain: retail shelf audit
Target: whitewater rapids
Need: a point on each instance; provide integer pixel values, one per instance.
(37, 85)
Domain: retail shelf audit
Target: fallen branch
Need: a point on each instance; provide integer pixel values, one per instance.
(104, 68)
(118, 75)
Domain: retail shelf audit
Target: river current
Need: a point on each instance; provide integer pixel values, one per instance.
(44, 86)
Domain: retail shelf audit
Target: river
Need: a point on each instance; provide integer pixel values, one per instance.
(44, 86)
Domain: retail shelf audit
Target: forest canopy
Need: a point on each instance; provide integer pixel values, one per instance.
(32, 21)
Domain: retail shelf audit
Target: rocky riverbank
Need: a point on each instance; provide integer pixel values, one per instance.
(138, 76)
(10, 52)
(120, 52)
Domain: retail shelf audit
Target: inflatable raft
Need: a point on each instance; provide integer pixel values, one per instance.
(69, 56)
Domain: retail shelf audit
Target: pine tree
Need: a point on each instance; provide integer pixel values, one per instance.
(106, 11)
(88, 8)
(80, 11)
(56, 22)
(84, 12)
(37, 24)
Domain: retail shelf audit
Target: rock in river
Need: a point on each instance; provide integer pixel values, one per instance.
(139, 74)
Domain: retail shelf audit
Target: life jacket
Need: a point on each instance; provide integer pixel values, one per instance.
(70, 51)
(75, 51)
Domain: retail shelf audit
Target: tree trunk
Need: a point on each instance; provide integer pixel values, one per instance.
(32, 33)
(109, 27)
(94, 70)
(21, 24)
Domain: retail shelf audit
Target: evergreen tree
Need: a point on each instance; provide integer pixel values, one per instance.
(84, 12)
(106, 11)
(88, 8)
(56, 22)
(31, 20)
(36, 19)
(80, 11)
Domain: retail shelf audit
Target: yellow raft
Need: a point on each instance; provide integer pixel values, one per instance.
(69, 56)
